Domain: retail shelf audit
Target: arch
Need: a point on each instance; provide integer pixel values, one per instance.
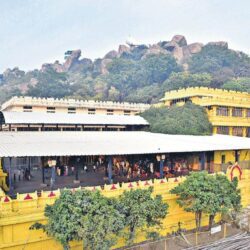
(235, 168)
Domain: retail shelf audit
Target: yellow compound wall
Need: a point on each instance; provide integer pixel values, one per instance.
(16, 216)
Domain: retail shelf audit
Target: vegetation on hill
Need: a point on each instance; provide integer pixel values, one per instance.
(139, 73)
(136, 74)
(188, 119)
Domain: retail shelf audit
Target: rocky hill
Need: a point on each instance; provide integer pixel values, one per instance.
(134, 72)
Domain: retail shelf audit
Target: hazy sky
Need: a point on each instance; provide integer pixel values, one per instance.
(36, 31)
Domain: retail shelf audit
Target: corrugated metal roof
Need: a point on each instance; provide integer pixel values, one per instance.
(64, 118)
(18, 144)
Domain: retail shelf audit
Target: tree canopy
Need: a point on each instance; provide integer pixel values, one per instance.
(83, 215)
(210, 194)
(184, 80)
(97, 220)
(188, 119)
(141, 210)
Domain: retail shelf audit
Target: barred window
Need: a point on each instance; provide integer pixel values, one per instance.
(248, 113)
(237, 131)
(27, 108)
(248, 132)
(127, 112)
(91, 111)
(110, 111)
(222, 111)
(51, 109)
(71, 110)
(223, 130)
(237, 112)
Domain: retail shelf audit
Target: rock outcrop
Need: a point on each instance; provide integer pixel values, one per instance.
(123, 48)
(71, 59)
(177, 47)
(219, 43)
(111, 54)
(180, 40)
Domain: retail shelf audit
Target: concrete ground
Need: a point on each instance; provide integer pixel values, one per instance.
(89, 178)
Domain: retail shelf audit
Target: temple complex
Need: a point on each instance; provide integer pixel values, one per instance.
(228, 111)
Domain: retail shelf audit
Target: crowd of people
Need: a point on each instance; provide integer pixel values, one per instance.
(148, 168)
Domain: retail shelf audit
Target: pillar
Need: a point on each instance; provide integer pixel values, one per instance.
(244, 132)
(161, 168)
(230, 112)
(214, 130)
(77, 163)
(203, 160)
(43, 173)
(110, 165)
(230, 130)
(11, 188)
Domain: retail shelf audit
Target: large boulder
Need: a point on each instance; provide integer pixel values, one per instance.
(180, 40)
(154, 50)
(178, 54)
(195, 47)
(100, 66)
(72, 57)
(123, 48)
(111, 54)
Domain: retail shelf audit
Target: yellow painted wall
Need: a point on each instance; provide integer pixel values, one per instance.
(212, 98)
(16, 216)
(244, 155)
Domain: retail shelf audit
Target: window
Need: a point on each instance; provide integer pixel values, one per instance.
(27, 108)
(237, 131)
(223, 130)
(222, 111)
(237, 112)
(248, 132)
(110, 111)
(51, 129)
(51, 109)
(71, 110)
(127, 112)
(91, 111)
(248, 113)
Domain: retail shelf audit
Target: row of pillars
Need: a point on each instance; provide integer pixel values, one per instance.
(109, 169)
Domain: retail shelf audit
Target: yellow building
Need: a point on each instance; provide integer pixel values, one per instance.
(228, 111)
(71, 106)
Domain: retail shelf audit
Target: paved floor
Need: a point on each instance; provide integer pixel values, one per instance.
(89, 178)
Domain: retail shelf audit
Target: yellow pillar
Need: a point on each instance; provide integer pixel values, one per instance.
(3, 178)
(245, 132)
(230, 112)
(230, 130)
(214, 130)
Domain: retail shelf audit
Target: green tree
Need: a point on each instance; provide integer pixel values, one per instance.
(185, 79)
(50, 84)
(194, 194)
(238, 84)
(83, 215)
(141, 210)
(188, 119)
(224, 197)
(220, 62)
(210, 194)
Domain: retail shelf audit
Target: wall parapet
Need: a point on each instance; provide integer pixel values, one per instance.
(27, 100)
(204, 91)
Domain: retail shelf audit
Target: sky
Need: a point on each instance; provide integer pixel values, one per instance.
(33, 32)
